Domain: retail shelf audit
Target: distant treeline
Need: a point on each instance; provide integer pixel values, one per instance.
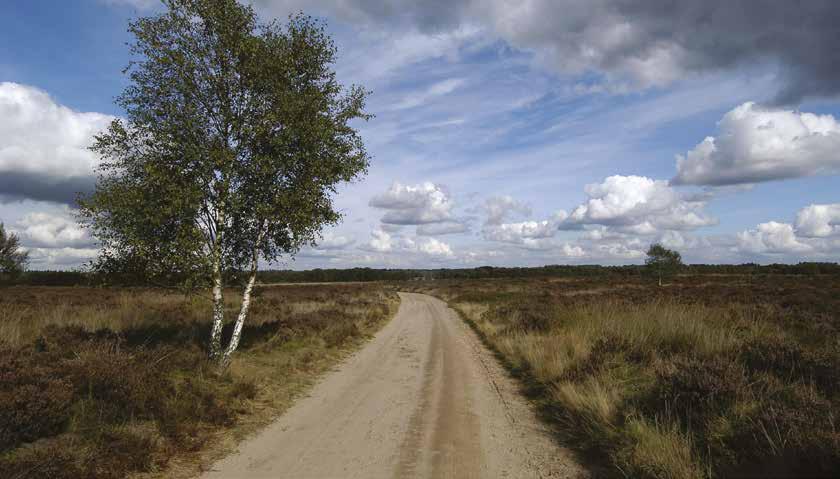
(78, 278)
(369, 274)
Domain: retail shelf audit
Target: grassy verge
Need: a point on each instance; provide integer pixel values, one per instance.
(718, 378)
(100, 383)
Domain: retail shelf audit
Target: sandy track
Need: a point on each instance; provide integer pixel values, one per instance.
(423, 399)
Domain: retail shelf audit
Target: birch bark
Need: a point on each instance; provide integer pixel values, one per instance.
(218, 309)
(243, 309)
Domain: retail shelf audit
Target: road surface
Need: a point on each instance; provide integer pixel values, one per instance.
(423, 399)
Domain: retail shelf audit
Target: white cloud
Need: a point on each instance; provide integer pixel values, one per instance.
(380, 241)
(516, 232)
(638, 205)
(435, 248)
(620, 250)
(818, 221)
(61, 258)
(331, 241)
(438, 89)
(448, 228)
(414, 204)
(52, 231)
(44, 146)
(501, 208)
(815, 235)
(760, 144)
(771, 237)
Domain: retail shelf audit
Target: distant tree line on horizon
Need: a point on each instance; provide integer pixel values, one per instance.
(74, 278)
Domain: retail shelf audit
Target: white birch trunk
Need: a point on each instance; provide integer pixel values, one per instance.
(218, 310)
(240, 319)
(243, 309)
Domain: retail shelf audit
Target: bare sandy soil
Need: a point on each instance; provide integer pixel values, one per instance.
(423, 399)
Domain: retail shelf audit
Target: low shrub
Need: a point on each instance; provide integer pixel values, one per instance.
(36, 399)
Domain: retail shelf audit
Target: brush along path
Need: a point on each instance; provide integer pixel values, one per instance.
(423, 399)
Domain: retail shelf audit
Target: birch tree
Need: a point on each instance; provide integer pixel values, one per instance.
(662, 261)
(235, 137)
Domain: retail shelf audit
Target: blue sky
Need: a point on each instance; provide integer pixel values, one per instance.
(502, 136)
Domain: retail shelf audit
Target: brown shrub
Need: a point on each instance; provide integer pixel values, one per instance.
(35, 398)
(123, 384)
(786, 357)
(47, 462)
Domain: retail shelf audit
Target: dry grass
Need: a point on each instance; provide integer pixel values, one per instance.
(102, 383)
(706, 378)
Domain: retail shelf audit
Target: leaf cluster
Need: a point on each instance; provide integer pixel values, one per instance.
(658, 255)
(13, 259)
(235, 138)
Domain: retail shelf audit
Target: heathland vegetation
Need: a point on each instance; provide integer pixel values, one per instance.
(104, 382)
(708, 376)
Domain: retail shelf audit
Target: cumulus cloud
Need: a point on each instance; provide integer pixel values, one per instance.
(435, 248)
(380, 241)
(771, 237)
(814, 234)
(761, 144)
(819, 221)
(630, 250)
(44, 146)
(516, 232)
(48, 230)
(501, 208)
(331, 241)
(632, 43)
(414, 204)
(383, 242)
(637, 205)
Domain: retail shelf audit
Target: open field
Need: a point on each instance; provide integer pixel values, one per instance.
(710, 376)
(103, 383)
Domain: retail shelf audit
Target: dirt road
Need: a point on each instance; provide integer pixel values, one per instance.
(423, 399)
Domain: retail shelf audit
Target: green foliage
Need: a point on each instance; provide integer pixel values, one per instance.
(662, 261)
(12, 259)
(235, 137)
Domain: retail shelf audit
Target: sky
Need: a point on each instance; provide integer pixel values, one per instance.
(506, 133)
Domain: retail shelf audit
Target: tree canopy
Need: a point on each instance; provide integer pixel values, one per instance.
(13, 259)
(662, 261)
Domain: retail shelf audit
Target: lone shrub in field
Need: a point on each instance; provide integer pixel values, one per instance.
(662, 261)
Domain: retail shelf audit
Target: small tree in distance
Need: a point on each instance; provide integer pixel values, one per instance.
(13, 259)
(662, 261)
(236, 135)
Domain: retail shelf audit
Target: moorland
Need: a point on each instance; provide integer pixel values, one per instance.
(722, 375)
(107, 382)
